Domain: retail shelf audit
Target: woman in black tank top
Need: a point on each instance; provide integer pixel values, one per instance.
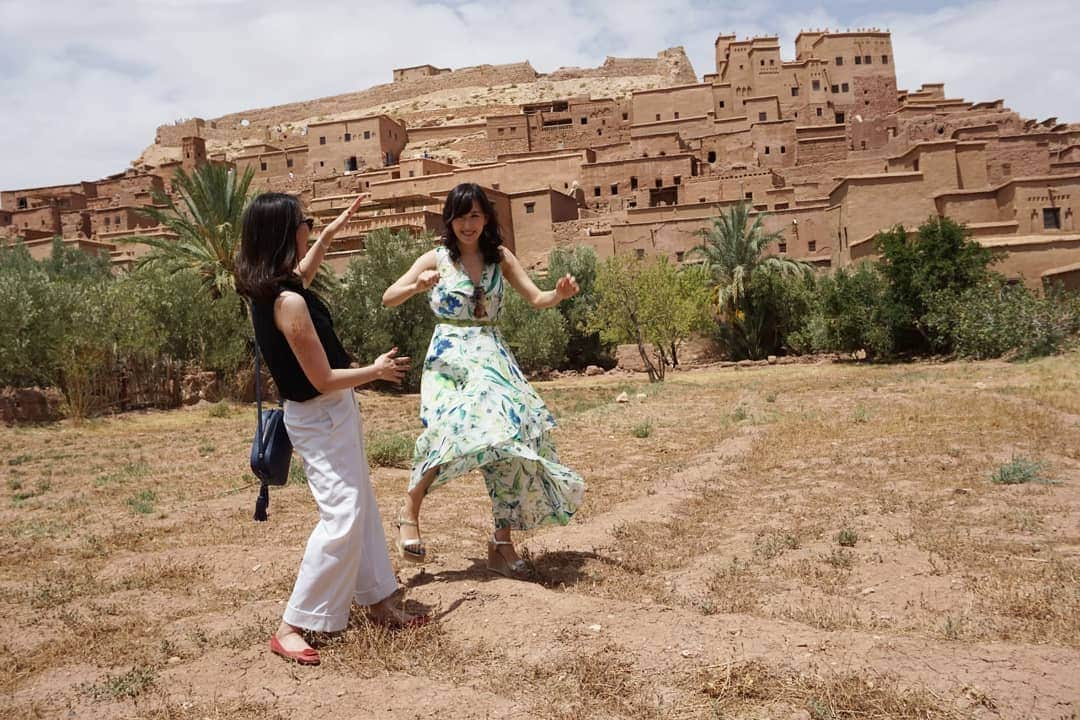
(346, 559)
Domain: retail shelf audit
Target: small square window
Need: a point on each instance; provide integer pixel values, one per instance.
(584, 121)
(783, 149)
(867, 60)
(367, 134)
(884, 59)
(502, 130)
(596, 191)
(288, 162)
(614, 188)
(633, 183)
(677, 180)
(676, 116)
(322, 139)
(108, 220)
(843, 87)
(530, 208)
(840, 60)
(762, 116)
(721, 103)
(659, 182)
(412, 173)
(858, 60)
(836, 88)
(839, 118)
(815, 84)
(811, 245)
(322, 163)
(819, 112)
(1051, 218)
(749, 196)
(262, 166)
(658, 116)
(794, 92)
(348, 137)
(766, 149)
(782, 247)
(626, 116)
(513, 130)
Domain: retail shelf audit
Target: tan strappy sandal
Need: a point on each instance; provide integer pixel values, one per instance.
(496, 563)
(410, 550)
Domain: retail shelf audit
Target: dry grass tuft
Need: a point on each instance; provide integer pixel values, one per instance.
(752, 683)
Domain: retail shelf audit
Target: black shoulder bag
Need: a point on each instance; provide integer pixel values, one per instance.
(271, 451)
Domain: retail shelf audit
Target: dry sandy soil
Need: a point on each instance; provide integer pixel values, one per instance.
(820, 541)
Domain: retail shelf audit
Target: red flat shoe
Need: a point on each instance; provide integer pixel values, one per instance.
(307, 656)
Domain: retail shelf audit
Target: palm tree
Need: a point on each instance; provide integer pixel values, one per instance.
(206, 225)
(733, 252)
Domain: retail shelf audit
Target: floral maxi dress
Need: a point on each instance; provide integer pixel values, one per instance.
(480, 413)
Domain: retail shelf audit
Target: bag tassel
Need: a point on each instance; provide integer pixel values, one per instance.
(262, 504)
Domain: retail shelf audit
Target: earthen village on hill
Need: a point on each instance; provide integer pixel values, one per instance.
(633, 156)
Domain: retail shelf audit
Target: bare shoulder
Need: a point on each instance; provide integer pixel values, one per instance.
(291, 312)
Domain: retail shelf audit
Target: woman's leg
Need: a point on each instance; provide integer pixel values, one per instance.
(348, 538)
(504, 485)
(410, 509)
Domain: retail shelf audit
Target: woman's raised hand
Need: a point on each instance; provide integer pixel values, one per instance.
(390, 367)
(427, 280)
(566, 287)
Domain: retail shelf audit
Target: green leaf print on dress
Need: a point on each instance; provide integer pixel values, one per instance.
(480, 413)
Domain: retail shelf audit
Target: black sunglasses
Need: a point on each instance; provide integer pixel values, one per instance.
(310, 222)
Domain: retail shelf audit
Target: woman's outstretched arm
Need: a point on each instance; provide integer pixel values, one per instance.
(418, 278)
(308, 267)
(566, 287)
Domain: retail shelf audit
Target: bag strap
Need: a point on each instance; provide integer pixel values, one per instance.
(262, 504)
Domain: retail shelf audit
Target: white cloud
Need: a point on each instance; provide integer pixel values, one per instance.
(86, 84)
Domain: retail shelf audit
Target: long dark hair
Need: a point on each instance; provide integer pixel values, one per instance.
(459, 202)
(267, 257)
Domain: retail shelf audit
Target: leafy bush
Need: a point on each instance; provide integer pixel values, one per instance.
(386, 449)
(538, 338)
(1018, 471)
(941, 257)
(365, 327)
(849, 313)
(583, 347)
(993, 319)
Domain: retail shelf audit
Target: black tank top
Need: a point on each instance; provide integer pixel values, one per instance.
(289, 377)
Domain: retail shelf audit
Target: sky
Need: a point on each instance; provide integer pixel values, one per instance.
(84, 85)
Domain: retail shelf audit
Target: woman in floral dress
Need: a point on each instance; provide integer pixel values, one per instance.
(478, 410)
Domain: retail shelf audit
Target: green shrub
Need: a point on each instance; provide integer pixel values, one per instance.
(847, 538)
(642, 429)
(993, 319)
(538, 338)
(1018, 471)
(366, 328)
(387, 449)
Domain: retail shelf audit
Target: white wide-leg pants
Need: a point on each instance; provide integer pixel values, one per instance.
(346, 558)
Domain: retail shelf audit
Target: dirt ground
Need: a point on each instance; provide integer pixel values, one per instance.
(811, 541)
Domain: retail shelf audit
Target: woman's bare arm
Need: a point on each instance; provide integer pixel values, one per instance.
(566, 287)
(292, 318)
(418, 278)
(308, 267)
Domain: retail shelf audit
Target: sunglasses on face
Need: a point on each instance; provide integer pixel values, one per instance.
(478, 300)
(310, 222)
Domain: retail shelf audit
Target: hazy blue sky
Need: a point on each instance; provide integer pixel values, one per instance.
(84, 84)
